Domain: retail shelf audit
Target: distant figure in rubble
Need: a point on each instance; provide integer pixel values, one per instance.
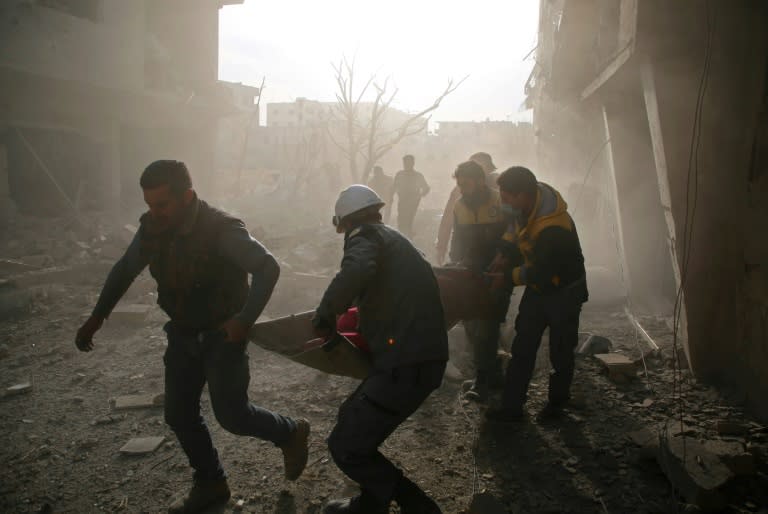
(402, 320)
(446, 222)
(478, 225)
(541, 251)
(382, 184)
(410, 187)
(201, 258)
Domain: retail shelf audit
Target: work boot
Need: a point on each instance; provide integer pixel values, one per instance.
(412, 500)
(296, 450)
(505, 415)
(203, 495)
(363, 504)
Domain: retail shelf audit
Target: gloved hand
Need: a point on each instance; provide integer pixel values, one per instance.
(84, 337)
(322, 326)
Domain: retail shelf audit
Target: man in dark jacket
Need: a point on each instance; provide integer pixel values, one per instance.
(541, 252)
(401, 319)
(201, 258)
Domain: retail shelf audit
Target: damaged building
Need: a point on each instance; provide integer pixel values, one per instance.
(658, 111)
(93, 90)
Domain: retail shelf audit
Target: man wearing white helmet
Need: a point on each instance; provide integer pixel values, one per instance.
(401, 319)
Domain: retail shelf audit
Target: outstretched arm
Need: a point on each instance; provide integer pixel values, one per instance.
(120, 278)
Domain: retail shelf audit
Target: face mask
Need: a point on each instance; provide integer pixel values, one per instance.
(510, 212)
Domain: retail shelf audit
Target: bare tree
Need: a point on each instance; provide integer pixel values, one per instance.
(347, 109)
(370, 139)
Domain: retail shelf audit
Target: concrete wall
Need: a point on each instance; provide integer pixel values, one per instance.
(52, 43)
(725, 279)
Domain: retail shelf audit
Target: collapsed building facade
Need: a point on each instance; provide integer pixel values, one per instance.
(659, 111)
(93, 90)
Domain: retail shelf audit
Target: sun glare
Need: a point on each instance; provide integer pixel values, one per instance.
(418, 44)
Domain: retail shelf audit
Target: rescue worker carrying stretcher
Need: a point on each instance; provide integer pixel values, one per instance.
(478, 227)
(541, 252)
(401, 319)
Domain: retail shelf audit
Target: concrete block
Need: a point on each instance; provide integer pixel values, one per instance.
(733, 455)
(134, 314)
(139, 401)
(698, 475)
(618, 366)
(142, 445)
(594, 345)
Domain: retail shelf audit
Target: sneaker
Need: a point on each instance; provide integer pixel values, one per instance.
(505, 415)
(362, 504)
(203, 495)
(296, 450)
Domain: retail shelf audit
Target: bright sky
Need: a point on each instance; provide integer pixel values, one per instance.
(420, 44)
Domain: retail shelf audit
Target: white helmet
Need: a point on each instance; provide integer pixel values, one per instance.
(355, 198)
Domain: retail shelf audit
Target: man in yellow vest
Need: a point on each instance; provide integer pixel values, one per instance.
(542, 252)
(446, 223)
(477, 230)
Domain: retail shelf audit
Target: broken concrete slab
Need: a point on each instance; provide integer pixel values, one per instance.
(139, 401)
(731, 428)
(618, 367)
(485, 503)
(11, 267)
(142, 445)
(594, 345)
(697, 474)
(733, 455)
(133, 314)
(18, 389)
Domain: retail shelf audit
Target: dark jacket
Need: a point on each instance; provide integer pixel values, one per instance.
(477, 230)
(196, 286)
(200, 269)
(544, 251)
(401, 316)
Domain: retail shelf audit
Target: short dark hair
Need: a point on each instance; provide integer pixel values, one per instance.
(409, 157)
(518, 179)
(471, 170)
(173, 174)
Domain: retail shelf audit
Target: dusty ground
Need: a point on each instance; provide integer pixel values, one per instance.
(61, 439)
